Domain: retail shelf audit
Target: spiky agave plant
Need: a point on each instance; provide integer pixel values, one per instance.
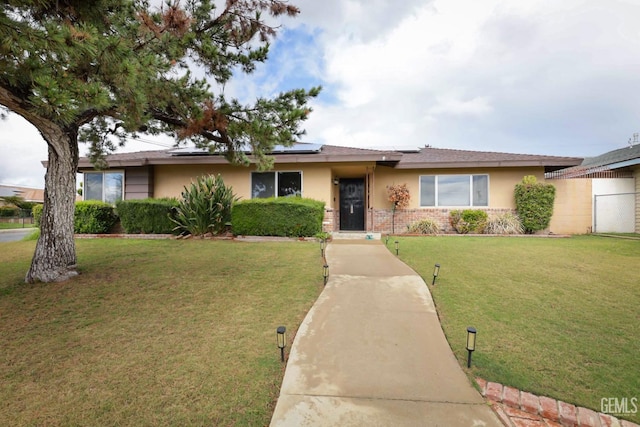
(205, 207)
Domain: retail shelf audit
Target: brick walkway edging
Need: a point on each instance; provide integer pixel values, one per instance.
(517, 408)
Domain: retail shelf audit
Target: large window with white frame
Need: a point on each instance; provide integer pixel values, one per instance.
(454, 190)
(276, 184)
(107, 187)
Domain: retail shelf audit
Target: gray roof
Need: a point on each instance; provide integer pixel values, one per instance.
(429, 157)
(324, 154)
(618, 158)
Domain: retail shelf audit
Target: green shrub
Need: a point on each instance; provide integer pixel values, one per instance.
(468, 221)
(323, 235)
(534, 203)
(284, 216)
(94, 217)
(205, 207)
(425, 226)
(8, 212)
(150, 216)
(18, 202)
(36, 211)
(506, 223)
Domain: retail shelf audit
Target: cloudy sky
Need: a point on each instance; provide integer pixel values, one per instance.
(528, 76)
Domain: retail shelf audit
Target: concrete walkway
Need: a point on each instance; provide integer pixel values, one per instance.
(371, 352)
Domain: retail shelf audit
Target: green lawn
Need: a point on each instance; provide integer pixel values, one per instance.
(12, 225)
(555, 316)
(161, 333)
(183, 332)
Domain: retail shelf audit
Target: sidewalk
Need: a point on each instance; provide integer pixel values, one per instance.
(371, 352)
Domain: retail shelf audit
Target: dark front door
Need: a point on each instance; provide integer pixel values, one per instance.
(352, 204)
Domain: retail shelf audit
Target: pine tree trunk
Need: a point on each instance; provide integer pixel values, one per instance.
(54, 259)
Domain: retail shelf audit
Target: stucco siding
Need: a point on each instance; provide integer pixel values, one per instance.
(572, 210)
(170, 179)
(502, 184)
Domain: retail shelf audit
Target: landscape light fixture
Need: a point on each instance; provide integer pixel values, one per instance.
(471, 343)
(323, 245)
(397, 247)
(387, 241)
(436, 270)
(325, 273)
(282, 342)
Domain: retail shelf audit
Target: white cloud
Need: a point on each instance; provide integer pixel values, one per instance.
(21, 151)
(455, 106)
(527, 76)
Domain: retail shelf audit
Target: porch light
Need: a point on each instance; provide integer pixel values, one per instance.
(325, 273)
(280, 336)
(336, 181)
(471, 343)
(397, 247)
(436, 270)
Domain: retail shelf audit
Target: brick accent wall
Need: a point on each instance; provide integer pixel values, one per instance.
(329, 221)
(381, 220)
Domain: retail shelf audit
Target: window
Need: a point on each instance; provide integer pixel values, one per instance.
(104, 186)
(276, 184)
(454, 190)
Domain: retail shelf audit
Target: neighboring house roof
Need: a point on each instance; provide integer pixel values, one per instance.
(616, 159)
(313, 153)
(613, 164)
(28, 194)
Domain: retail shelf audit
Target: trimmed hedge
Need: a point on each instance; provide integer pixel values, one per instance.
(8, 212)
(284, 216)
(534, 203)
(147, 216)
(93, 217)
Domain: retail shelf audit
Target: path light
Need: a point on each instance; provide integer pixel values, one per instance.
(397, 247)
(323, 245)
(436, 270)
(471, 343)
(325, 273)
(282, 342)
(387, 241)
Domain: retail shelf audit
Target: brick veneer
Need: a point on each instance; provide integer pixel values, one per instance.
(382, 220)
(518, 408)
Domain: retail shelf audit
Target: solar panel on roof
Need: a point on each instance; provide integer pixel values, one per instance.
(297, 148)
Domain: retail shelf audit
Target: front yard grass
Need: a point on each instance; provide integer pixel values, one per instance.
(12, 225)
(558, 317)
(158, 333)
